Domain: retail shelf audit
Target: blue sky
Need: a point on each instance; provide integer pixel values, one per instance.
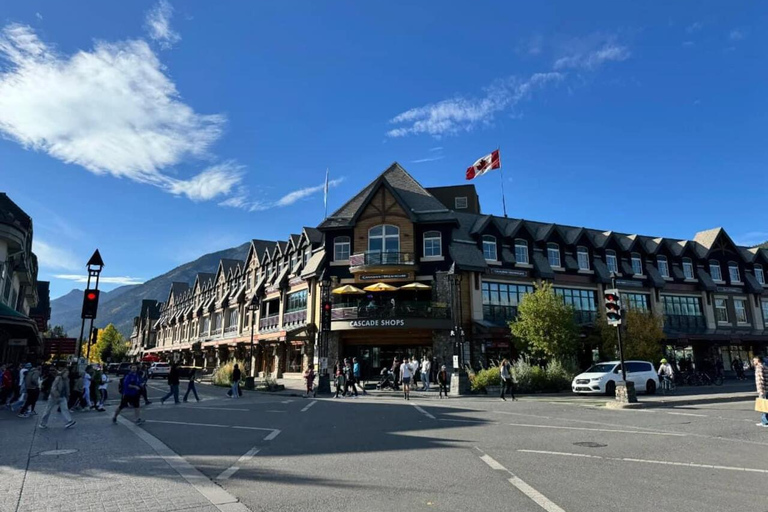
(158, 132)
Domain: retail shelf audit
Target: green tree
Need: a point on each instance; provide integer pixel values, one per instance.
(545, 325)
(109, 345)
(641, 334)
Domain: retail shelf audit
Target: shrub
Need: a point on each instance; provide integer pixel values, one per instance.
(559, 376)
(222, 376)
(529, 378)
(486, 377)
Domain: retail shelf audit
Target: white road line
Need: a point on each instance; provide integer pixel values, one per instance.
(687, 414)
(273, 431)
(273, 435)
(204, 407)
(471, 421)
(636, 432)
(422, 411)
(286, 401)
(218, 497)
(227, 473)
(310, 404)
(521, 486)
(646, 461)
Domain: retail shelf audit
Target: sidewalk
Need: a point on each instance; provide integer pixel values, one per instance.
(99, 467)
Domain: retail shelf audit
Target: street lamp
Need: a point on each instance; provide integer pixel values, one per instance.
(253, 307)
(323, 379)
(90, 300)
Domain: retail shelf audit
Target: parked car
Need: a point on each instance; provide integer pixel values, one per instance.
(601, 378)
(159, 370)
(123, 369)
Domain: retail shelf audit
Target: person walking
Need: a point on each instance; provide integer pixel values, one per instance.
(49, 374)
(761, 375)
(340, 380)
(173, 384)
(76, 396)
(415, 366)
(349, 378)
(191, 385)
(103, 393)
(507, 384)
(87, 379)
(442, 381)
(58, 398)
(396, 373)
(426, 367)
(358, 374)
(21, 387)
(236, 381)
(406, 372)
(32, 383)
(6, 384)
(143, 378)
(309, 379)
(131, 395)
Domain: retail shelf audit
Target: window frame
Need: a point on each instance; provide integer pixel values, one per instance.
(522, 244)
(611, 254)
(384, 237)
(759, 273)
(439, 238)
(456, 203)
(714, 264)
(688, 263)
(733, 266)
(743, 310)
(659, 259)
(552, 247)
(340, 242)
(724, 309)
(490, 240)
(636, 256)
(582, 251)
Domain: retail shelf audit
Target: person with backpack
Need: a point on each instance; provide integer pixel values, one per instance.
(131, 395)
(191, 385)
(32, 383)
(442, 381)
(236, 374)
(58, 398)
(173, 384)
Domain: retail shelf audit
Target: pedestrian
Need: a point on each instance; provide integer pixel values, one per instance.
(173, 384)
(426, 367)
(507, 383)
(236, 381)
(21, 387)
(87, 379)
(131, 395)
(406, 372)
(76, 396)
(442, 381)
(103, 391)
(761, 375)
(309, 379)
(340, 381)
(32, 383)
(6, 384)
(58, 399)
(191, 384)
(349, 378)
(396, 373)
(415, 366)
(143, 377)
(358, 374)
(49, 375)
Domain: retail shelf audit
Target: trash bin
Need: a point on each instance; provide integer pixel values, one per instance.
(250, 383)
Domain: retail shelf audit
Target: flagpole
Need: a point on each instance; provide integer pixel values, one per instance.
(325, 194)
(501, 174)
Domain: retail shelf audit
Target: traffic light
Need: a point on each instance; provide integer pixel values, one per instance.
(90, 303)
(612, 306)
(325, 316)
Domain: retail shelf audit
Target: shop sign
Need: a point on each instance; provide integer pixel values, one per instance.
(729, 289)
(629, 283)
(378, 277)
(378, 322)
(17, 342)
(508, 272)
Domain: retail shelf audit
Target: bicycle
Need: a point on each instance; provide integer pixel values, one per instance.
(667, 385)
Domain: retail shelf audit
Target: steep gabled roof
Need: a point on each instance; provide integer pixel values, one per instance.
(295, 241)
(229, 265)
(313, 235)
(706, 240)
(177, 290)
(257, 249)
(204, 279)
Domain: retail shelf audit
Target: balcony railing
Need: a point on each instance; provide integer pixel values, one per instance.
(231, 328)
(269, 323)
(381, 258)
(684, 323)
(295, 317)
(216, 332)
(414, 309)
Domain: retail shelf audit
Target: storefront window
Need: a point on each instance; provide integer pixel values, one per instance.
(296, 301)
(636, 301)
(294, 359)
(583, 302)
(500, 300)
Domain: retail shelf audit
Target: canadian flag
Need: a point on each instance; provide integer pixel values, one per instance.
(484, 164)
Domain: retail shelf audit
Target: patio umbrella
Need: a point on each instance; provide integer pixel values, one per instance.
(347, 289)
(380, 287)
(416, 286)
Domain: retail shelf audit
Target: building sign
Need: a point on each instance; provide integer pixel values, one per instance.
(508, 272)
(17, 342)
(296, 280)
(392, 323)
(378, 322)
(379, 277)
(628, 283)
(729, 289)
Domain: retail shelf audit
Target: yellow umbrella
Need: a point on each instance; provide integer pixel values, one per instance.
(416, 286)
(347, 289)
(380, 287)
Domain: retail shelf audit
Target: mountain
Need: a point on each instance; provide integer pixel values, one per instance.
(120, 305)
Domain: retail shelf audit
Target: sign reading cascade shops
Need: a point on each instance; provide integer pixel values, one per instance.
(392, 323)
(378, 322)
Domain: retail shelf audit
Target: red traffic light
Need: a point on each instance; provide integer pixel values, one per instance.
(90, 296)
(327, 306)
(610, 297)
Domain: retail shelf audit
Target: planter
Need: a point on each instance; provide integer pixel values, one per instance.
(493, 390)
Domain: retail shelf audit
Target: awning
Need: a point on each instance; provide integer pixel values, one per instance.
(705, 280)
(656, 278)
(541, 267)
(18, 325)
(752, 284)
(314, 265)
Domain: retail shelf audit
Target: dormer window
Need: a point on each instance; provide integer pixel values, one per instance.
(688, 268)
(611, 261)
(521, 251)
(460, 203)
(582, 255)
(733, 272)
(553, 255)
(489, 248)
(637, 264)
(341, 248)
(433, 244)
(714, 270)
(759, 275)
(661, 261)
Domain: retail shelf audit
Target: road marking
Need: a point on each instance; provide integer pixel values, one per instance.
(211, 408)
(227, 473)
(287, 401)
(218, 497)
(310, 404)
(637, 432)
(470, 421)
(273, 431)
(687, 414)
(646, 461)
(521, 486)
(422, 411)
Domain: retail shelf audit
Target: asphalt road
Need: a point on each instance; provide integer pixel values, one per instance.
(277, 453)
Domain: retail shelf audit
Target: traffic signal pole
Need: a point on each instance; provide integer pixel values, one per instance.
(618, 337)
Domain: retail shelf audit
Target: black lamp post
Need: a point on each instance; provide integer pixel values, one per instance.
(459, 380)
(90, 300)
(324, 379)
(253, 307)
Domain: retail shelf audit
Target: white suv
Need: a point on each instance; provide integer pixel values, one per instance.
(602, 378)
(159, 370)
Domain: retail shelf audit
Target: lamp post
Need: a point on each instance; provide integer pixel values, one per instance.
(459, 379)
(90, 300)
(253, 307)
(324, 379)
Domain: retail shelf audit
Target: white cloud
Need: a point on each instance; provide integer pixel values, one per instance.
(593, 59)
(111, 110)
(751, 238)
(296, 195)
(437, 148)
(106, 280)
(428, 159)
(464, 114)
(57, 258)
(39, 16)
(243, 202)
(694, 27)
(737, 35)
(158, 25)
